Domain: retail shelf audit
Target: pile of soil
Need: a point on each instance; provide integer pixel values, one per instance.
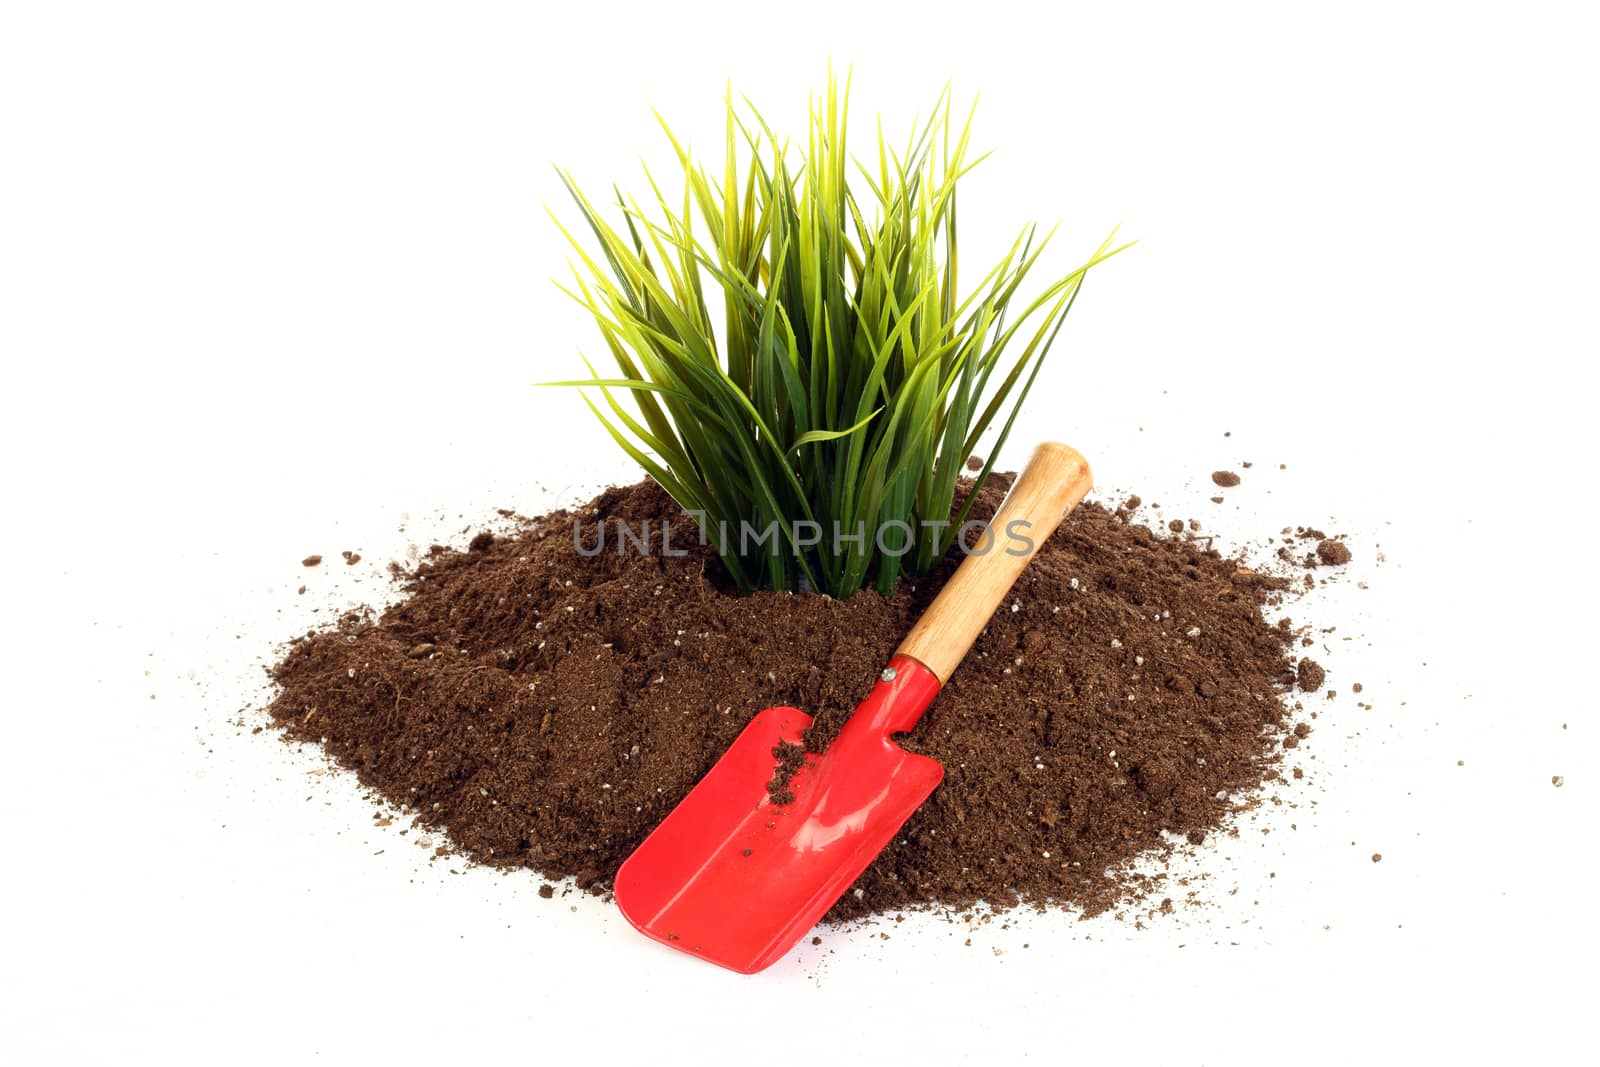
(544, 708)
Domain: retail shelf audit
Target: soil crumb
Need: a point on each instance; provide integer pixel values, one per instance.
(311, 561)
(791, 757)
(545, 709)
(1310, 675)
(1333, 553)
(1226, 479)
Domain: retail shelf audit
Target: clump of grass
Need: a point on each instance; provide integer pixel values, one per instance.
(816, 421)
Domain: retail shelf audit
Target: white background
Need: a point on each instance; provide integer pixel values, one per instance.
(273, 280)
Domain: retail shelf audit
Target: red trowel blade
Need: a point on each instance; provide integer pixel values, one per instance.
(734, 879)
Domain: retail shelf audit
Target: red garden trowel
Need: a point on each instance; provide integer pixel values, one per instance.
(735, 878)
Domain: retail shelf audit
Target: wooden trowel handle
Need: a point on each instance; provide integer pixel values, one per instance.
(1051, 485)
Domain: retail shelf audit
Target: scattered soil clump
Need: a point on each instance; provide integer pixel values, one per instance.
(1310, 675)
(791, 757)
(1333, 553)
(1226, 479)
(545, 708)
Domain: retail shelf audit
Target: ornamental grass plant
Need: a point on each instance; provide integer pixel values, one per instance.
(797, 364)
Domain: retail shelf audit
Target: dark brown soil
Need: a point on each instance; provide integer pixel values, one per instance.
(1226, 479)
(545, 709)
